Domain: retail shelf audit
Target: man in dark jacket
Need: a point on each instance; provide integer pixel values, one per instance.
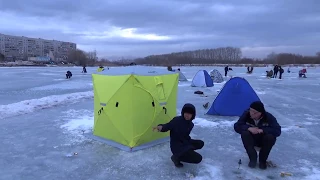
(281, 71)
(258, 128)
(68, 74)
(181, 144)
(275, 71)
(226, 69)
(84, 69)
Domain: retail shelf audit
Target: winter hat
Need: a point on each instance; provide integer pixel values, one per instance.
(189, 108)
(258, 106)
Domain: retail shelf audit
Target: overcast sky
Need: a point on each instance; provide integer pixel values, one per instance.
(144, 27)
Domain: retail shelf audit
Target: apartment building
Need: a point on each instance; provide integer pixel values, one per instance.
(20, 47)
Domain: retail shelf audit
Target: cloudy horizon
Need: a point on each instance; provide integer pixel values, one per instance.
(139, 28)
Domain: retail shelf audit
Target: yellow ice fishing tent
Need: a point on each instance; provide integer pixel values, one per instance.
(129, 101)
(100, 69)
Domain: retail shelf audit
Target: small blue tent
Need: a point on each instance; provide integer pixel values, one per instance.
(234, 98)
(202, 79)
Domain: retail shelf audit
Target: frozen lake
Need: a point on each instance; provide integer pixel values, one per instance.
(43, 116)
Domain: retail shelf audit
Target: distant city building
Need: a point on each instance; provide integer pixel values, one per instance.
(22, 48)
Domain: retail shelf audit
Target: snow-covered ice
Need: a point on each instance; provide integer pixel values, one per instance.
(43, 117)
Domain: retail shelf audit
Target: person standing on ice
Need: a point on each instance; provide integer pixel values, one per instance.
(281, 71)
(181, 145)
(275, 71)
(84, 69)
(258, 128)
(226, 69)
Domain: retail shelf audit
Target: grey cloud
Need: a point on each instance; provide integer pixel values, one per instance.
(192, 24)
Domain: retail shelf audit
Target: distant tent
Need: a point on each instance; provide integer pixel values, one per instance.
(234, 98)
(202, 79)
(128, 102)
(101, 68)
(182, 77)
(216, 76)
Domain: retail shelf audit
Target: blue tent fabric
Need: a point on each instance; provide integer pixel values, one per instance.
(202, 79)
(234, 98)
(209, 81)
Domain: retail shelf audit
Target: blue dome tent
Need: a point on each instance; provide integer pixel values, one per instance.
(202, 79)
(234, 98)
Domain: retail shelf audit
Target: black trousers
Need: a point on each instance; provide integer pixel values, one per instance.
(191, 156)
(275, 74)
(280, 76)
(264, 141)
(300, 75)
(225, 73)
(68, 76)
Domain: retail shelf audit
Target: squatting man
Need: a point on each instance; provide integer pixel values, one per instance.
(181, 145)
(258, 128)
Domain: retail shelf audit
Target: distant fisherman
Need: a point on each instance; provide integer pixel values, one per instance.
(84, 70)
(68, 75)
(226, 69)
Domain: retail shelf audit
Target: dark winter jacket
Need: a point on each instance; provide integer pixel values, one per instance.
(268, 124)
(276, 69)
(281, 71)
(180, 131)
(69, 73)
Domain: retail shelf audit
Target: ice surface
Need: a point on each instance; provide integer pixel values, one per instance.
(43, 117)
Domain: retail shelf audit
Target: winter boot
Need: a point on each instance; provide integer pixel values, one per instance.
(176, 161)
(252, 164)
(262, 165)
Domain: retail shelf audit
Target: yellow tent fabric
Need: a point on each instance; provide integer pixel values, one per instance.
(100, 69)
(129, 101)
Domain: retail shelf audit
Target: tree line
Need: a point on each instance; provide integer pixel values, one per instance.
(201, 56)
(290, 58)
(225, 55)
(82, 58)
(90, 58)
(222, 55)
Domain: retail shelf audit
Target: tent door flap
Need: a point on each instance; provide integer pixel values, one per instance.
(159, 87)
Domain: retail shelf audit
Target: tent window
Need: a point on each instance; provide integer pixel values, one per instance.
(159, 87)
(117, 104)
(160, 91)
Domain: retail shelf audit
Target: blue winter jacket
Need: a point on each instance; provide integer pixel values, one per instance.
(268, 124)
(180, 131)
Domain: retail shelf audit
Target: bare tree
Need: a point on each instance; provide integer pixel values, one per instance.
(78, 57)
(91, 58)
(272, 57)
(1, 57)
